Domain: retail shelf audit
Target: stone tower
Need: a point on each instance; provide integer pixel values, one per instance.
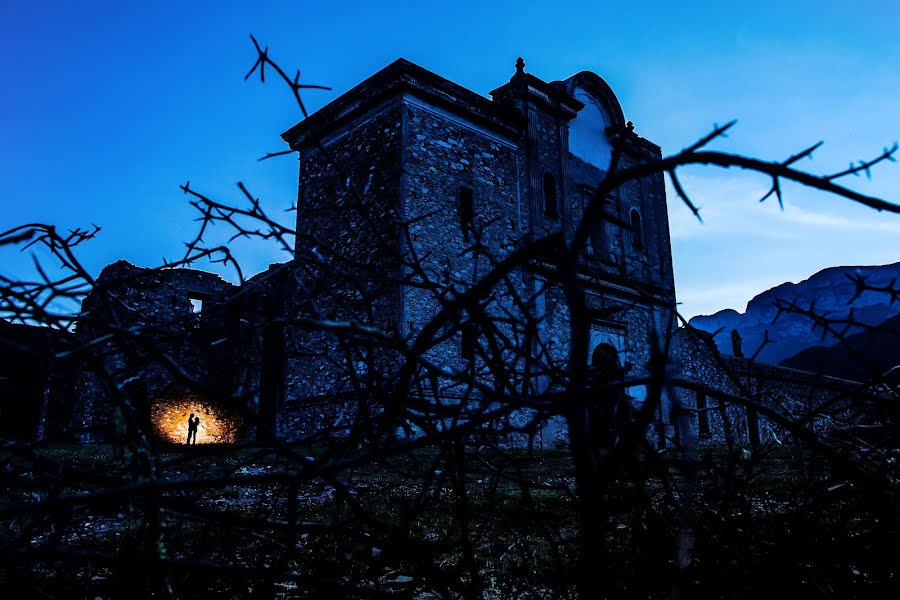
(410, 146)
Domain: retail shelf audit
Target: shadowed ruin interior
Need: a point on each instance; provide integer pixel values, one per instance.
(169, 417)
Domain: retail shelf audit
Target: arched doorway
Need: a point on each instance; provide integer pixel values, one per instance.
(605, 361)
(609, 412)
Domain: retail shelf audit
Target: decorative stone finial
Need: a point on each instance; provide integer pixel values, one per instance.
(520, 66)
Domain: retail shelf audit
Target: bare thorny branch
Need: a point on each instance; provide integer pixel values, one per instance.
(432, 538)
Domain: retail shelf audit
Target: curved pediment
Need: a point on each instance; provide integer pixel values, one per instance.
(589, 137)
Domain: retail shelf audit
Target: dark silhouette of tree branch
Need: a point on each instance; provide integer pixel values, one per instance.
(412, 482)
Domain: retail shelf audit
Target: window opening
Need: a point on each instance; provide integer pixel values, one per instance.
(702, 416)
(637, 232)
(551, 208)
(466, 211)
(196, 304)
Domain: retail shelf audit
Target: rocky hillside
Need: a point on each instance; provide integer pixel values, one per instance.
(830, 290)
(863, 356)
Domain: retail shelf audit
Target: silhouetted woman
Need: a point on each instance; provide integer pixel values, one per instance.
(192, 428)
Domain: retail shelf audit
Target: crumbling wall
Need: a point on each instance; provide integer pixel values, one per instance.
(141, 333)
(791, 393)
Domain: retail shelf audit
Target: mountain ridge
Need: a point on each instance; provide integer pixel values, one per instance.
(869, 355)
(829, 291)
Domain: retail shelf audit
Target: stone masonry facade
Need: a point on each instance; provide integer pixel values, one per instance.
(451, 163)
(407, 165)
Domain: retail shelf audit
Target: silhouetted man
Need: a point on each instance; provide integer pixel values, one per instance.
(193, 423)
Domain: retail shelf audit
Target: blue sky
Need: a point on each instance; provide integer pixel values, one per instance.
(107, 107)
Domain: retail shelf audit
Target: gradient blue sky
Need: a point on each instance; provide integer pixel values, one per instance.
(107, 107)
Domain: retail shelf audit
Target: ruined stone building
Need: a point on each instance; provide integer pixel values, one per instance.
(408, 146)
(423, 150)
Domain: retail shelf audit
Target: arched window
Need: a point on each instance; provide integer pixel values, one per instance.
(637, 230)
(606, 365)
(597, 242)
(551, 205)
(588, 139)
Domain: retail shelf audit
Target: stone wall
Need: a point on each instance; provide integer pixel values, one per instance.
(444, 159)
(790, 393)
(141, 331)
(347, 265)
(444, 154)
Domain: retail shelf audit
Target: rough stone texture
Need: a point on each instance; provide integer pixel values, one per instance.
(433, 143)
(793, 394)
(402, 148)
(150, 319)
(348, 202)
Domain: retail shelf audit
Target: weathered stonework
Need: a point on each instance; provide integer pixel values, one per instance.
(792, 394)
(418, 148)
(139, 323)
(407, 170)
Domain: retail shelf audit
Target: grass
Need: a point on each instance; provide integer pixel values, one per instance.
(391, 530)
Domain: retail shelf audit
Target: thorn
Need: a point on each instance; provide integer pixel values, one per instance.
(865, 168)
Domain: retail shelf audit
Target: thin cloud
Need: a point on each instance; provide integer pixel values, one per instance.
(743, 247)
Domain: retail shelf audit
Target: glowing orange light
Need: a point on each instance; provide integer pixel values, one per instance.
(170, 421)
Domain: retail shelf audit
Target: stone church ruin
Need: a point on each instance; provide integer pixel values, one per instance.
(471, 179)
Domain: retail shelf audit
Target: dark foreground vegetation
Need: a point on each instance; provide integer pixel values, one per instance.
(397, 527)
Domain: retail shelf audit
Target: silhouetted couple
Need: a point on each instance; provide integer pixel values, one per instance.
(193, 424)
